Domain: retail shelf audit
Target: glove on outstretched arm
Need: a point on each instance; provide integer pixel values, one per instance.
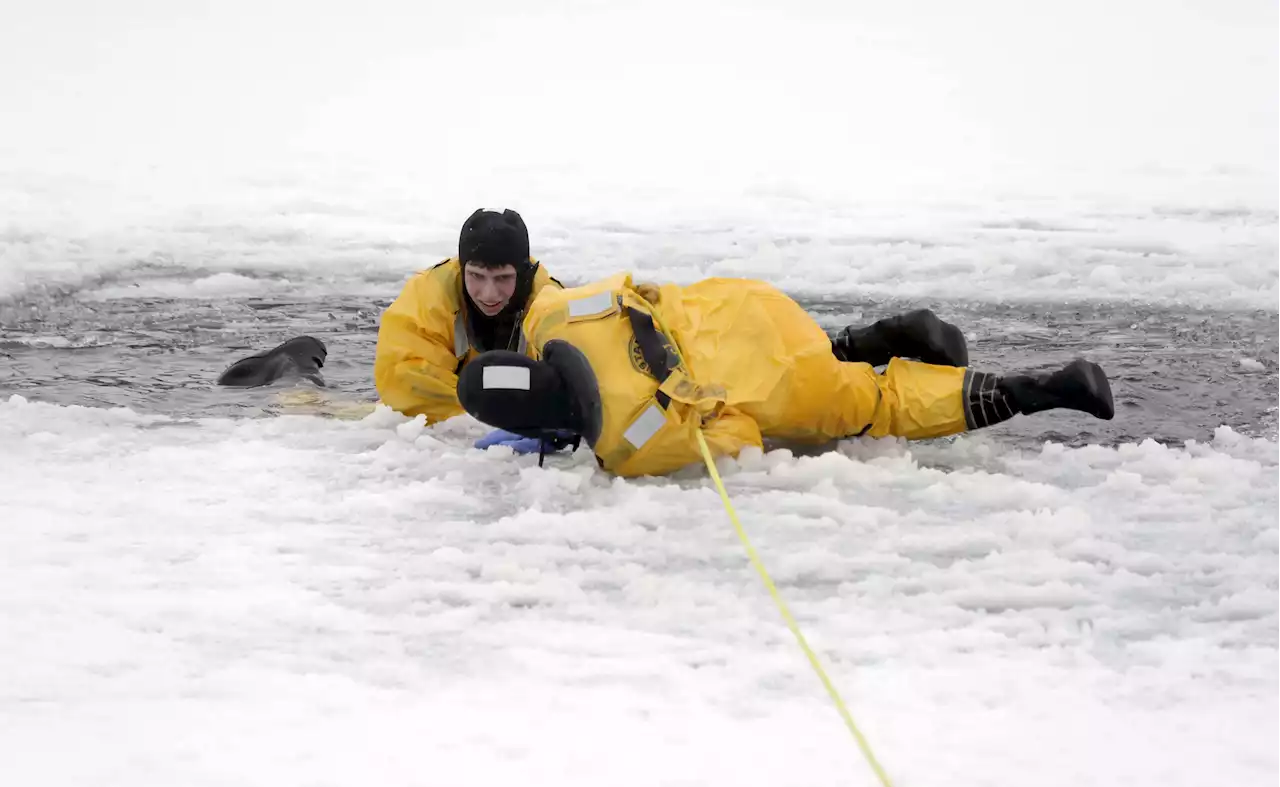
(516, 442)
(549, 443)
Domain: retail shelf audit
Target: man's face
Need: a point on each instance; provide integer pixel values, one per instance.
(490, 288)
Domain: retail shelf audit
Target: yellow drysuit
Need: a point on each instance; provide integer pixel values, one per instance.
(755, 365)
(423, 340)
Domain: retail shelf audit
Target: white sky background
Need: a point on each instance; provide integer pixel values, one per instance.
(340, 138)
(858, 97)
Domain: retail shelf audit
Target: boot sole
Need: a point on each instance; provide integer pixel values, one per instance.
(942, 344)
(1098, 388)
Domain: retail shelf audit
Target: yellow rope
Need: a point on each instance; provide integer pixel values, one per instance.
(786, 614)
(764, 575)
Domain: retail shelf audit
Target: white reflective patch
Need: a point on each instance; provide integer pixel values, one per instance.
(511, 377)
(460, 342)
(591, 304)
(645, 427)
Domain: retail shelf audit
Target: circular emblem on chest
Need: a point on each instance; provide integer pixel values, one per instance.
(637, 357)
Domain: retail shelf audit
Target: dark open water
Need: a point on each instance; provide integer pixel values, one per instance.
(1177, 374)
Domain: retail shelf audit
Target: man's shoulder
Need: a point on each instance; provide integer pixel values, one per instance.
(444, 276)
(445, 268)
(542, 277)
(436, 287)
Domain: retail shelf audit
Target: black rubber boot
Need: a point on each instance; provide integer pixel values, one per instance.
(918, 334)
(298, 358)
(1080, 385)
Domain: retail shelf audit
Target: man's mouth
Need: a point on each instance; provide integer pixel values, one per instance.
(490, 305)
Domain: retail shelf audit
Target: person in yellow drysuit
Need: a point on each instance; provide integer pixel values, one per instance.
(636, 370)
(450, 313)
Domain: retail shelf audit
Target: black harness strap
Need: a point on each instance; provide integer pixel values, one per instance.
(653, 347)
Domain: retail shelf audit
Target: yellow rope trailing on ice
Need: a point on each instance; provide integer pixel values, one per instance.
(768, 581)
(786, 615)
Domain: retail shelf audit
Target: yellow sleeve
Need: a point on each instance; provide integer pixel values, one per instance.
(415, 369)
(731, 432)
(542, 279)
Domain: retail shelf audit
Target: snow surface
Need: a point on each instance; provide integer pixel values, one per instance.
(310, 601)
(296, 601)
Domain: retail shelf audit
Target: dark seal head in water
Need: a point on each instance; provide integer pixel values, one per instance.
(299, 358)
